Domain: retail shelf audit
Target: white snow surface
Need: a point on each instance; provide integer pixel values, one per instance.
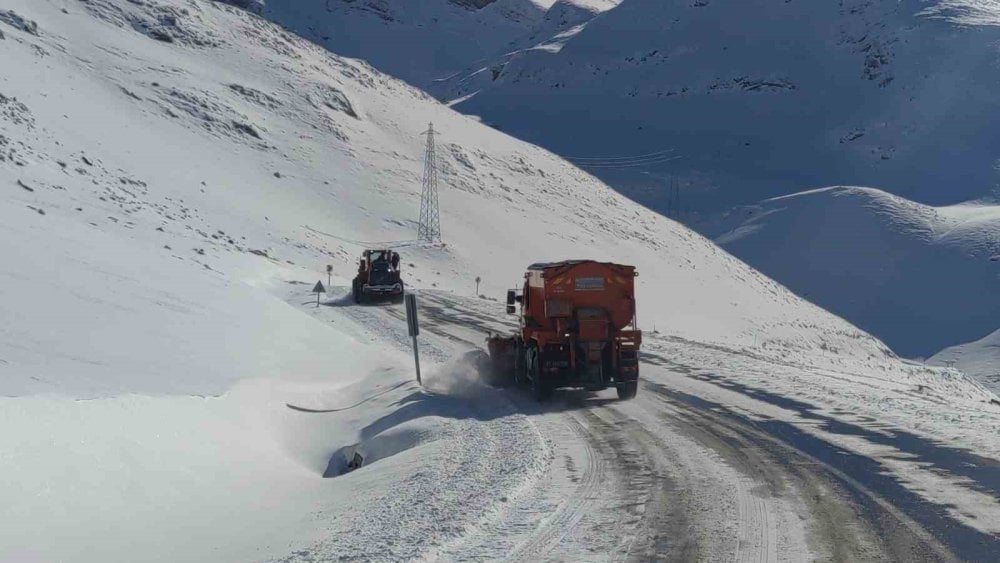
(312, 143)
(980, 359)
(921, 277)
(168, 169)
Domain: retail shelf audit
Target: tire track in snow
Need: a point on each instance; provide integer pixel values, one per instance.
(756, 540)
(566, 517)
(847, 522)
(728, 508)
(654, 517)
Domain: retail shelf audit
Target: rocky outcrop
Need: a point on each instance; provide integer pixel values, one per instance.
(253, 6)
(472, 4)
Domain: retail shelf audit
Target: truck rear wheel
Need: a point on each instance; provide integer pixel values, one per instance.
(540, 390)
(519, 371)
(628, 390)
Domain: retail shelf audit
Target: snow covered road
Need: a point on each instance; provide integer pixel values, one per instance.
(686, 471)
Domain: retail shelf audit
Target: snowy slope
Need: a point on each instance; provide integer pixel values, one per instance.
(312, 143)
(980, 359)
(415, 41)
(920, 277)
(422, 42)
(168, 171)
(761, 98)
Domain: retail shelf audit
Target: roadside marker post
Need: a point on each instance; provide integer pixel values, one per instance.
(329, 273)
(413, 327)
(317, 289)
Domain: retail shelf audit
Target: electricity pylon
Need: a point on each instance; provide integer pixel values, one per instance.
(430, 215)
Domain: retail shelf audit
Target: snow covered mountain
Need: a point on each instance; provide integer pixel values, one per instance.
(176, 174)
(921, 277)
(421, 42)
(760, 98)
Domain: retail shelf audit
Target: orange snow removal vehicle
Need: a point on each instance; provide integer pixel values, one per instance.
(577, 329)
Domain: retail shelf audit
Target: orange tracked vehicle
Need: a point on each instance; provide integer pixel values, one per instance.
(577, 329)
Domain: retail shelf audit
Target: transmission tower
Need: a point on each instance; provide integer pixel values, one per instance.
(430, 216)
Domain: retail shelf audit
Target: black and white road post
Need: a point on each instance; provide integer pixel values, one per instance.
(317, 289)
(329, 272)
(414, 329)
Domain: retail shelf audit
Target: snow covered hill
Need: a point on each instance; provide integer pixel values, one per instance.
(176, 174)
(760, 98)
(980, 359)
(923, 278)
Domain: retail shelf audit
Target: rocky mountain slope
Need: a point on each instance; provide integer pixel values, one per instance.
(419, 42)
(760, 99)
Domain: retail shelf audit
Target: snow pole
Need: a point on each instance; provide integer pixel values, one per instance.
(414, 329)
(416, 360)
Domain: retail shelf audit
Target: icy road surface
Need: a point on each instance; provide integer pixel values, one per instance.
(697, 467)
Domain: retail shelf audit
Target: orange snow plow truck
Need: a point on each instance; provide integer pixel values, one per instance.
(577, 329)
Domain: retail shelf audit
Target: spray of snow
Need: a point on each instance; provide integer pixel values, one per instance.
(463, 376)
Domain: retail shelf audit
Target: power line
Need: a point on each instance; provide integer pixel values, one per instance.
(619, 158)
(628, 164)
